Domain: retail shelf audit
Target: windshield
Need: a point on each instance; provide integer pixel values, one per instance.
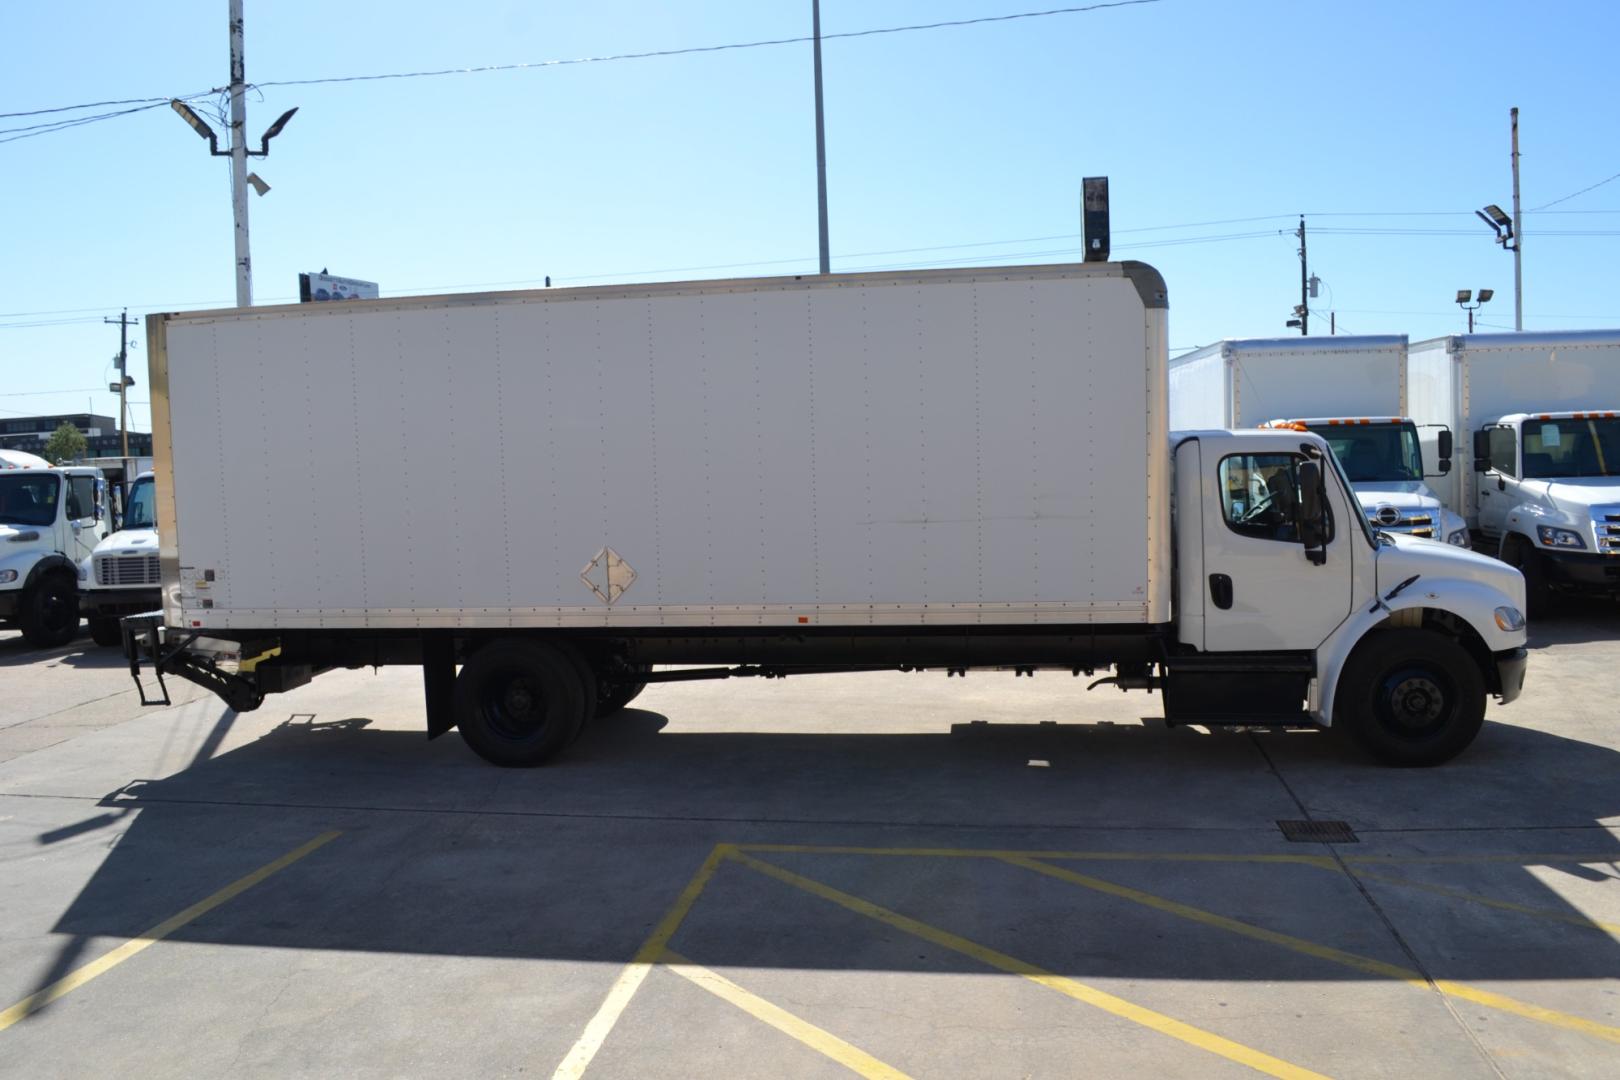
(1359, 519)
(29, 499)
(139, 514)
(1373, 452)
(1554, 448)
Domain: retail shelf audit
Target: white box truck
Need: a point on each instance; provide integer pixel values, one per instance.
(121, 576)
(556, 497)
(1540, 480)
(1349, 389)
(50, 520)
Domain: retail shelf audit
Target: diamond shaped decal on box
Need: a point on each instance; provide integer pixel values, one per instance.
(608, 575)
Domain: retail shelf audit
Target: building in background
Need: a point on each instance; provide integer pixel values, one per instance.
(30, 433)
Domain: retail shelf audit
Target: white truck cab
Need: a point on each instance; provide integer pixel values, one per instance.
(1383, 457)
(1548, 491)
(121, 576)
(50, 520)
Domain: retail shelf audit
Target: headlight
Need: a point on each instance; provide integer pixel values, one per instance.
(84, 572)
(1509, 619)
(1458, 538)
(1559, 538)
(7, 576)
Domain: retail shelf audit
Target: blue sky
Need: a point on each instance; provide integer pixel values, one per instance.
(1389, 119)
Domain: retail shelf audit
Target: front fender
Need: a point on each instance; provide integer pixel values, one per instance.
(1472, 602)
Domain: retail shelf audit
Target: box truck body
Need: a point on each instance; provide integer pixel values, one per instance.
(557, 490)
(1540, 476)
(1351, 390)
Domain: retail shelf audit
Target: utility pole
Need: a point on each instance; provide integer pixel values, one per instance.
(821, 139)
(123, 324)
(1518, 230)
(1304, 284)
(239, 205)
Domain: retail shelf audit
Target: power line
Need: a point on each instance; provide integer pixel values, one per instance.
(1583, 191)
(142, 104)
(694, 49)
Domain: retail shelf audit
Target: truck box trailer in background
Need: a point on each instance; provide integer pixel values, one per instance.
(557, 490)
(1350, 389)
(1539, 476)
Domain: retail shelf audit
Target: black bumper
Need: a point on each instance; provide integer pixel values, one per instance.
(1510, 667)
(116, 603)
(1582, 570)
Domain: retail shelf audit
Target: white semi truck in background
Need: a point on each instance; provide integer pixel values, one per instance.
(1540, 479)
(944, 469)
(1349, 389)
(50, 519)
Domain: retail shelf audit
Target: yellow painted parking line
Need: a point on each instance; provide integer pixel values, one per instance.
(635, 973)
(818, 1039)
(1612, 929)
(1325, 952)
(1535, 859)
(1165, 1025)
(105, 963)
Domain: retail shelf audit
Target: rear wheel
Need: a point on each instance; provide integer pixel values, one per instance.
(1410, 697)
(519, 702)
(49, 612)
(104, 631)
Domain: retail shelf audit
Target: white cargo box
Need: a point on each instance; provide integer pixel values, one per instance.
(932, 447)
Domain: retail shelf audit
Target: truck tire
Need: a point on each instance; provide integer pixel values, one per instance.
(48, 613)
(1518, 553)
(1410, 697)
(519, 702)
(614, 691)
(105, 631)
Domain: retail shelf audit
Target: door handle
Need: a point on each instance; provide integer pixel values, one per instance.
(1220, 591)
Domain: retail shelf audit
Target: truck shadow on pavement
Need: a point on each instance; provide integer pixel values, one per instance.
(1157, 852)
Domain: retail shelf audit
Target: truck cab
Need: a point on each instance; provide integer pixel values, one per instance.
(1384, 461)
(121, 576)
(1548, 490)
(50, 520)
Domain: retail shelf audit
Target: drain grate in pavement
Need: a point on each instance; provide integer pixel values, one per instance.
(1318, 832)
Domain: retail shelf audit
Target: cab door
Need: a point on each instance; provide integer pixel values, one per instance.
(85, 519)
(1262, 590)
(1498, 486)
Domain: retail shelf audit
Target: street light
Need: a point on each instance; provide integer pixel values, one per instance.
(1463, 298)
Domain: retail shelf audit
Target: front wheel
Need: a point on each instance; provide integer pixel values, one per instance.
(519, 702)
(1539, 598)
(104, 631)
(1410, 697)
(49, 612)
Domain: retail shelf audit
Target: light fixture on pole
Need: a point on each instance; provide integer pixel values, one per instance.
(238, 152)
(1463, 298)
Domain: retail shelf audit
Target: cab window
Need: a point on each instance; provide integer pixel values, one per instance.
(1260, 496)
(81, 497)
(1504, 456)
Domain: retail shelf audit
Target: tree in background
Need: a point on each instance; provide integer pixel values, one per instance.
(65, 444)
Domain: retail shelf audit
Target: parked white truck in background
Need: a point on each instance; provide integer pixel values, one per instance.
(121, 576)
(1351, 390)
(940, 469)
(50, 519)
(1540, 479)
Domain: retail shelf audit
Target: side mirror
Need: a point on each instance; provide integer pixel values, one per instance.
(101, 499)
(1312, 520)
(1443, 447)
(1482, 450)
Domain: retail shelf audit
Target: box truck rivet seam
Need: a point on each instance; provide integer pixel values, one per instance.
(1232, 570)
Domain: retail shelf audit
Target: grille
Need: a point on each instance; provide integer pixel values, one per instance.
(1608, 533)
(127, 570)
(1418, 524)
